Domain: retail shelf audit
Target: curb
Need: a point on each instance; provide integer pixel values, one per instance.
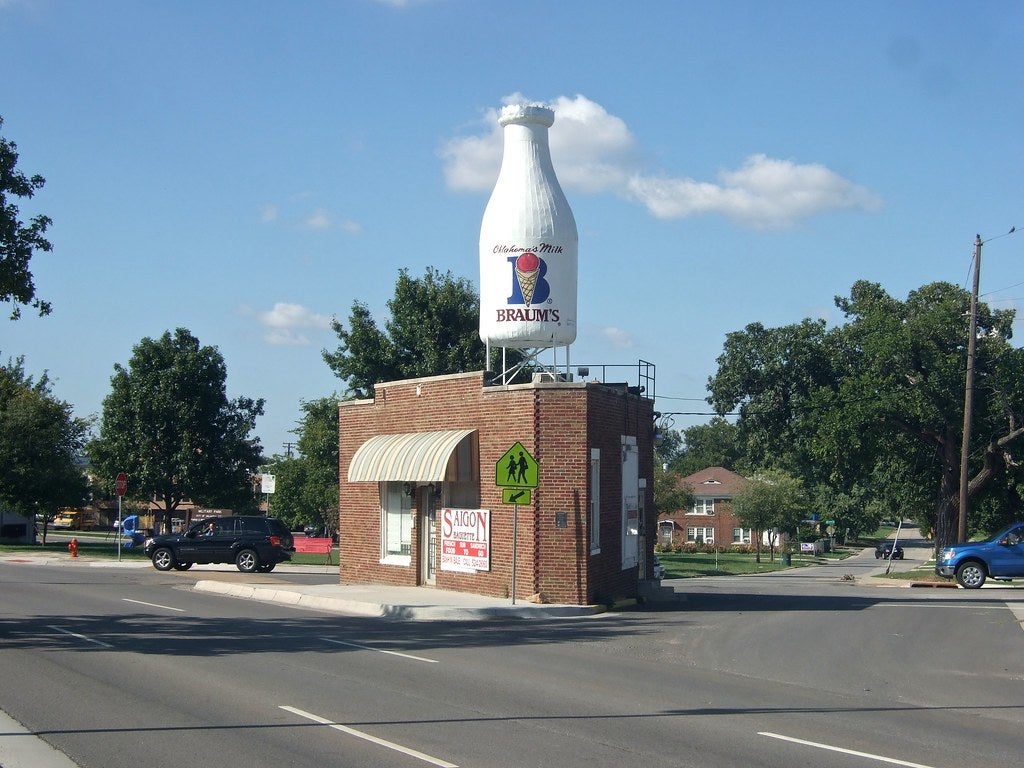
(404, 612)
(20, 748)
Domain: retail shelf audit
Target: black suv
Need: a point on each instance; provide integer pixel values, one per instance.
(886, 550)
(251, 543)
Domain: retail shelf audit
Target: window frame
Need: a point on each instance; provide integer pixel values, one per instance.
(392, 493)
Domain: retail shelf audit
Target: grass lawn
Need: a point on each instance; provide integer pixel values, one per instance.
(88, 546)
(683, 565)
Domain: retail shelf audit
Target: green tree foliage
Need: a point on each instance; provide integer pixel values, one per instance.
(668, 446)
(18, 241)
(771, 375)
(715, 444)
(307, 486)
(878, 401)
(670, 492)
(772, 501)
(41, 444)
(433, 330)
(169, 425)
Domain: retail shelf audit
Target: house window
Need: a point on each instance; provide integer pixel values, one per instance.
(703, 507)
(396, 524)
(700, 535)
(595, 500)
(741, 535)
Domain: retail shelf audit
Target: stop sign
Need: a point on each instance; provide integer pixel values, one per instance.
(121, 484)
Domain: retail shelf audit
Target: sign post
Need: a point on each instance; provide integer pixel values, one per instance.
(516, 472)
(121, 488)
(268, 483)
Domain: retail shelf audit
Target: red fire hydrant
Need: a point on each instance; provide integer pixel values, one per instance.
(73, 547)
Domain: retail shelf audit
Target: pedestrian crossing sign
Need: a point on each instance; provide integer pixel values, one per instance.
(516, 469)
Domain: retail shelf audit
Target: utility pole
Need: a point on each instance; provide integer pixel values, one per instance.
(288, 449)
(972, 339)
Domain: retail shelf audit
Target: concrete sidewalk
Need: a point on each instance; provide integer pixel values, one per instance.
(389, 602)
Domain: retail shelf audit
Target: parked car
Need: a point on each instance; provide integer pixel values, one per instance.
(972, 562)
(659, 569)
(251, 543)
(889, 551)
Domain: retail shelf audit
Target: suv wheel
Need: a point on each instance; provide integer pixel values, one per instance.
(970, 575)
(163, 559)
(247, 561)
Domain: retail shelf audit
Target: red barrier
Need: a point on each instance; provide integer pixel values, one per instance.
(313, 545)
(316, 546)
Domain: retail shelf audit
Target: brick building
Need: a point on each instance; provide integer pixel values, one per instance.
(422, 468)
(709, 519)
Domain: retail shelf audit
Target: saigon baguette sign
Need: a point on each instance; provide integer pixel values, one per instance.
(465, 540)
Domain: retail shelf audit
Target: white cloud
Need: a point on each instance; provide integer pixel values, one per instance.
(285, 324)
(350, 226)
(617, 337)
(318, 219)
(594, 151)
(764, 193)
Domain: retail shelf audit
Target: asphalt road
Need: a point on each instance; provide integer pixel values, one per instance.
(127, 667)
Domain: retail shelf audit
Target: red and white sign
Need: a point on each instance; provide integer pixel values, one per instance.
(121, 484)
(465, 540)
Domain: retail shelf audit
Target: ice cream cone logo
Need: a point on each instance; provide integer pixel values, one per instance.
(527, 272)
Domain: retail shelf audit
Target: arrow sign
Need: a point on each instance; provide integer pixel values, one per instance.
(515, 495)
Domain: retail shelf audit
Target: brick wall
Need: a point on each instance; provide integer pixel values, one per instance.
(557, 423)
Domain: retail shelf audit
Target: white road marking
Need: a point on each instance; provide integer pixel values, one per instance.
(976, 606)
(379, 650)
(853, 752)
(80, 637)
(368, 737)
(153, 605)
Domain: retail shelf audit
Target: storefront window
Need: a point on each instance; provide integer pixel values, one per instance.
(396, 523)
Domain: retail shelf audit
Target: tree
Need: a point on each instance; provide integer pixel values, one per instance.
(19, 241)
(169, 425)
(434, 329)
(878, 401)
(41, 444)
(772, 501)
(771, 374)
(715, 444)
(307, 486)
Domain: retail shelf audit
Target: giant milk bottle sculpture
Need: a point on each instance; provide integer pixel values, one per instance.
(528, 243)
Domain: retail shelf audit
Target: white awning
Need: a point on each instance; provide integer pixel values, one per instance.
(409, 457)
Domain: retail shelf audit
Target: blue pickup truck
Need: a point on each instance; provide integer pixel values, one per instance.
(972, 562)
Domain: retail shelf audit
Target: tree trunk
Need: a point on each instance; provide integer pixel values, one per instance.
(947, 512)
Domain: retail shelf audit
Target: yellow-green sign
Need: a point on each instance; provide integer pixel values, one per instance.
(516, 469)
(515, 495)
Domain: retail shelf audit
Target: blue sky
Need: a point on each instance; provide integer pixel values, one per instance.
(248, 169)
